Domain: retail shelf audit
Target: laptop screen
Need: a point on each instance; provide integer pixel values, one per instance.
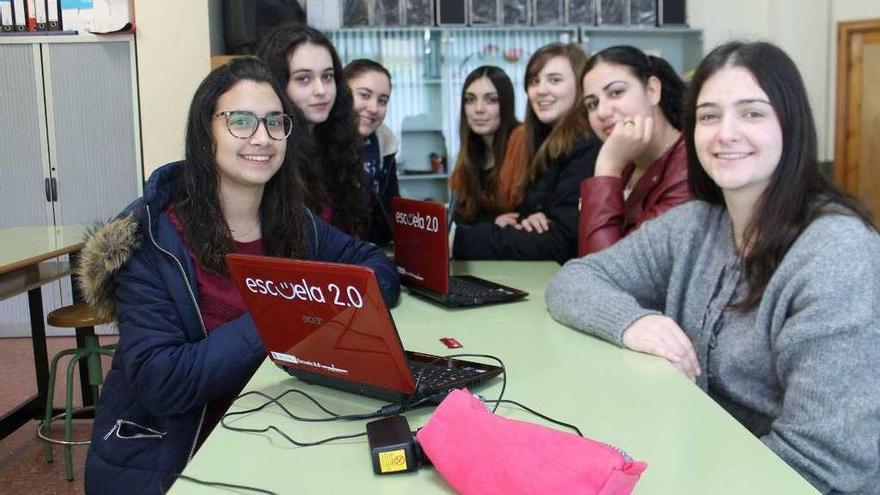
(323, 319)
(421, 244)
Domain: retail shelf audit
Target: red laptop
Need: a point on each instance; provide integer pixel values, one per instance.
(421, 252)
(326, 323)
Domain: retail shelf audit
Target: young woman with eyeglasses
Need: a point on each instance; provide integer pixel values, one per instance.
(560, 153)
(306, 65)
(187, 344)
(370, 85)
(765, 290)
(635, 105)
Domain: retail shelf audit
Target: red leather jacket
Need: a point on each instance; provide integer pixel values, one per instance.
(605, 217)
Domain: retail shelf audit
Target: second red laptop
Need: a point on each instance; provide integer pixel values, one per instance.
(421, 252)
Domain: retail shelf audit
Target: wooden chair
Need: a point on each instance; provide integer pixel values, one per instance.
(78, 315)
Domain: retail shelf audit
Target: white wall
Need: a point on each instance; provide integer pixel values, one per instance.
(799, 27)
(173, 45)
(806, 42)
(725, 20)
(805, 29)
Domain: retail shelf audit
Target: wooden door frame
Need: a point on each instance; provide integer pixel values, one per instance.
(845, 33)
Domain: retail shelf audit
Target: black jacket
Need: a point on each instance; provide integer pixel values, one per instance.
(382, 147)
(555, 193)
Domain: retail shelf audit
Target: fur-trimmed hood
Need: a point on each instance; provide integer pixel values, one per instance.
(387, 141)
(107, 248)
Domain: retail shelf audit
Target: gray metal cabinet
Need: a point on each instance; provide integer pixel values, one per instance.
(69, 139)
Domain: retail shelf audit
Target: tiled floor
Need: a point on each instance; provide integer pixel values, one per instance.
(23, 467)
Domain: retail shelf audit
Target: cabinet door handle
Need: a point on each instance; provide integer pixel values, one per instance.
(48, 186)
(54, 189)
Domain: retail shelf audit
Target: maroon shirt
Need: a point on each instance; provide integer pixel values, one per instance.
(219, 302)
(219, 298)
(327, 213)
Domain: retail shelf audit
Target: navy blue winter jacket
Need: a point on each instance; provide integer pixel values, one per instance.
(166, 368)
(380, 149)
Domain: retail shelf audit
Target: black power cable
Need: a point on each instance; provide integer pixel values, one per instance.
(536, 413)
(217, 484)
(275, 400)
(388, 410)
(500, 400)
(409, 405)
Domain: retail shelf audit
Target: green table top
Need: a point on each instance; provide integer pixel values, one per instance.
(23, 247)
(636, 402)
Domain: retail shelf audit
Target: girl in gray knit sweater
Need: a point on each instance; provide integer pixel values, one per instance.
(765, 291)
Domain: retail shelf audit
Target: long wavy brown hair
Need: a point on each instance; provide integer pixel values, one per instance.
(549, 142)
(197, 197)
(476, 195)
(333, 175)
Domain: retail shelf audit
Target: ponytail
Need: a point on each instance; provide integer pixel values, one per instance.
(673, 90)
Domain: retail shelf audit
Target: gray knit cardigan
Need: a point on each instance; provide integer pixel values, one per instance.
(801, 371)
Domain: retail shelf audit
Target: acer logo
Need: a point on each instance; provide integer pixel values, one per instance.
(314, 320)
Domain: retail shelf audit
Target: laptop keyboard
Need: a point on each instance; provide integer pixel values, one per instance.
(435, 376)
(466, 287)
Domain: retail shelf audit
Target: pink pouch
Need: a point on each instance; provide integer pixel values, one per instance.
(478, 452)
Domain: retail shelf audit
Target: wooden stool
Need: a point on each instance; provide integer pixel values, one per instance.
(74, 316)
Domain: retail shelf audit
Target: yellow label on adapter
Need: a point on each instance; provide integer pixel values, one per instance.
(391, 461)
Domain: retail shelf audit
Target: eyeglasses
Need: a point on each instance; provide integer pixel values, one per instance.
(243, 124)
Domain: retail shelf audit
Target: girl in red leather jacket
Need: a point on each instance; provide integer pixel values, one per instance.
(634, 103)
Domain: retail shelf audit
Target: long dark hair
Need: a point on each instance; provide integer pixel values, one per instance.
(547, 142)
(334, 173)
(672, 88)
(473, 154)
(197, 198)
(797, 192)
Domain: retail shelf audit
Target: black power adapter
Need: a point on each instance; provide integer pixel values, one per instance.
(393, 447)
